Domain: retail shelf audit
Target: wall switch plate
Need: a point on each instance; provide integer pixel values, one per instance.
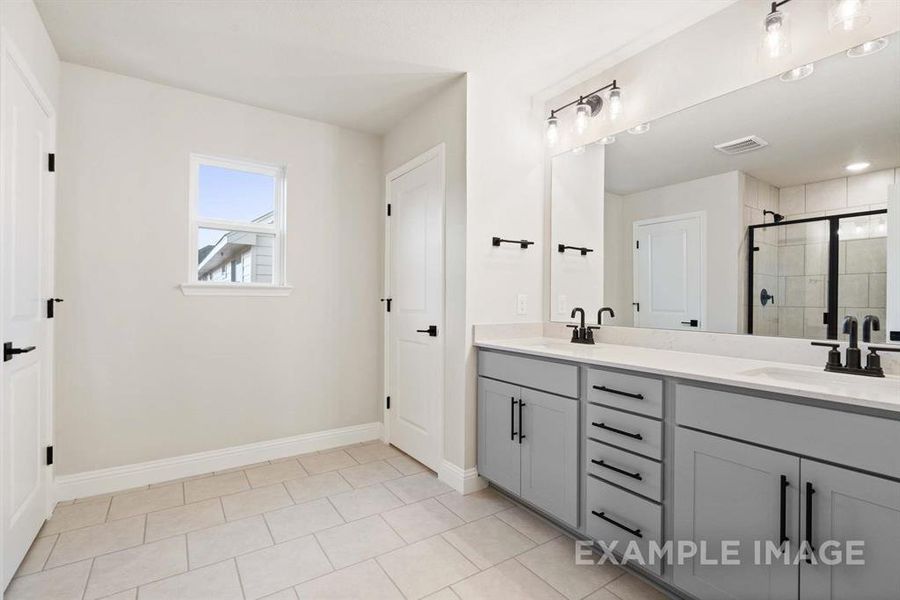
(522, 304)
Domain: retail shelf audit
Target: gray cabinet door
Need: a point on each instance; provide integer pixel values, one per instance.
(550, 454)
(498, 444)
(846, 506)
(726, 490)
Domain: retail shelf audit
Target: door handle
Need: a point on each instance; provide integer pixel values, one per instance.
(512, 418)
(521, 425)
(9, 351)
(432, 330)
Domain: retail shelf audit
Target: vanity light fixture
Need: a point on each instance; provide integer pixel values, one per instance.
(858, 166)
(798, 73)
(848, 15)
(586, 107)
(776, 40)
(867, 48)
(639, 129)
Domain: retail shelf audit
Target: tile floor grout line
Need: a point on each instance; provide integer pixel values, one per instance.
(388, 575)
(237, 570)
(49, 554)
(88, 580)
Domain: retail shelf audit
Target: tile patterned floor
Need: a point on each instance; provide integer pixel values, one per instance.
(364, 521)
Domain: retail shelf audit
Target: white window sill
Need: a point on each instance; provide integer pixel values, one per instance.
(234, 289)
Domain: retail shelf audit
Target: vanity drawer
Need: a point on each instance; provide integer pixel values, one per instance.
(614, 515)
(632, 432)
(628, 392)
(862, 441)
(636, 473)
(557, 378)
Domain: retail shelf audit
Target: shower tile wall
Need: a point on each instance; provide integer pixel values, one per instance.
(803, 252)
(757, 196)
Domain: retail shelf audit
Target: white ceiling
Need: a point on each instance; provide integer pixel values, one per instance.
(847, 111)
(362, 63)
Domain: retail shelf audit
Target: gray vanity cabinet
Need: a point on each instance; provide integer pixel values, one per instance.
(498, 446)
(847, 505)
(550, 453)
(727, 490)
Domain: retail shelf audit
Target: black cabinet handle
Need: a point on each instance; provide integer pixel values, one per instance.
(432, 330)
(602, 515)
(9, 351)
(605, 465)
(782, 524)
(809, 507)
(521, 425)
(603, 388)
(636, 436)
(512, 418)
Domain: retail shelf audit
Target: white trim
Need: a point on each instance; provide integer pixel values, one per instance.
(464, 481)
(438, 152)
(701, 214)
(200, 288)
(113, 479)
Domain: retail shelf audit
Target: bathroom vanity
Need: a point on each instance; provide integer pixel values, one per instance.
(625, 444)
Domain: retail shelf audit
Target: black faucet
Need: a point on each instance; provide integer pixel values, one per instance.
(870, 323)
(580, 333)
(851, 328)
(600, 312)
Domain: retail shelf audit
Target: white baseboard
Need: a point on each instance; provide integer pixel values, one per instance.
(104, 481)
(464, 481)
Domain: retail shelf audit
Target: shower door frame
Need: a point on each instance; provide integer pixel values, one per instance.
(833, 264)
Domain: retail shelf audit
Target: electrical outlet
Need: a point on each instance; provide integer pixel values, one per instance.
(562, 301)
(522, 304)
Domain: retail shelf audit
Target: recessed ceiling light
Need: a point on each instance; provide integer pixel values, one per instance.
(639, 129)
(798, 73)
(610, 139)
(578, 150)
(867, 48)
(858, 166)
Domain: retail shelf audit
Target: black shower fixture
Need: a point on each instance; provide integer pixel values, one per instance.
(776, 218)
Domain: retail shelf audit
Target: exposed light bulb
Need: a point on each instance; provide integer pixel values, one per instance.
(615, 103)
(798, 73)
(867, 48)
(858, 166)
(776, 41)
(582, 116)
(552, 131)
(848, 14)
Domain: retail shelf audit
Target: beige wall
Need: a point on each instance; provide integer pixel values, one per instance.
(144, 372)
(443, 119)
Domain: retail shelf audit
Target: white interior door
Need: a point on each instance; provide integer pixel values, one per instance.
(668, 272)
(416, 320)
(26, 139)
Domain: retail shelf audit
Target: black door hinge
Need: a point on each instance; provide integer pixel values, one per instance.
(51, 162)
(637, 306)
(388, 209)
(387, 302)
(637, 245)
(388, 403)
(49, 455)
(50, 303)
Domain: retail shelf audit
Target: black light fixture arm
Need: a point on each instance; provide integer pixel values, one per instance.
(608, 86)
(776, 5)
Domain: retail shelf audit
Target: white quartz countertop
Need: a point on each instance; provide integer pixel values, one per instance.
(767, 376)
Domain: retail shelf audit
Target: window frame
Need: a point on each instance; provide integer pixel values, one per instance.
(279, 285)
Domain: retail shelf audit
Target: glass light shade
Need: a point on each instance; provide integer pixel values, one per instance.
(639, 129)
(615, 103)
(798, 73)
(552, 131)
(848, 14)
(582, 116)
(776, 39)
(867, 48)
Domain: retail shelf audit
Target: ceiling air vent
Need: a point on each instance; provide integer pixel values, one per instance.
(741, 145)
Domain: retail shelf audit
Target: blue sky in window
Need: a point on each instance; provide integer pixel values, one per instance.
(232, 195)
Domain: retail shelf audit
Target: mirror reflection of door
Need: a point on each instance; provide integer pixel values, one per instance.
(668, 272)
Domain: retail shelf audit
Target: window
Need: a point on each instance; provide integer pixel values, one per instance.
(237, 228)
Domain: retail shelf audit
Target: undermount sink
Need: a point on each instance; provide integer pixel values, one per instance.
(791, 375)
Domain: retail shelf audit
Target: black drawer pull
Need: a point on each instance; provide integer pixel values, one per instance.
(521, 424)
(512, 418)
(634, 532)
(782, 521)
(636, 436)
(809, 521)
(603, 388)
(600, 463)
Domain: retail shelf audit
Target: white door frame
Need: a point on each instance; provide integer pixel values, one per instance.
(11, 55)
(635, 225)
(439, 153)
